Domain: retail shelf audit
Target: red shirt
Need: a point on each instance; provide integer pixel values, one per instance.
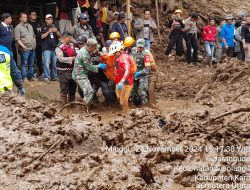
(209, 33)
(122, 70)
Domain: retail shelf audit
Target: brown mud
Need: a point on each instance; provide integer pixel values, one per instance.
(144, 149)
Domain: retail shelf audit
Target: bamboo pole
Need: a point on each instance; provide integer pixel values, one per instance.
(128, 16)
(158, 19)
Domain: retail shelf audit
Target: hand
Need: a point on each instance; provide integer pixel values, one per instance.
(51, 30)
(227, 47)
(120, 85)
(245, 46)
(102, 66)
(25, 48)
(137, 74)
(39, 29)
(73, 58)
(54, 29)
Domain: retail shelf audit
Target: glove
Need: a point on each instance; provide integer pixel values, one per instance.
(120, 85)
(137, 74)
(102, 66)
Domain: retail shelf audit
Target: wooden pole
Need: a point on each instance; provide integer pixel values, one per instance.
(158, 19)
(128, 16)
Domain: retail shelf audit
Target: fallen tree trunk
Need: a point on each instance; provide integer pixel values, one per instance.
(226, 114)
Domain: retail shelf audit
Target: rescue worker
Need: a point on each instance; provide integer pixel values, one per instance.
(128, 44)
(99, 80)
(80, 43)
(5, 78)
(6, 39)
(142, 59)
(65, 52)
(114, 36)
(124, 73)
(83, 66)
(110, 71)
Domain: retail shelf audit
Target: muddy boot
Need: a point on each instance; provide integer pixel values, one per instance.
(71, 98)
(177, 58)
(63, 98)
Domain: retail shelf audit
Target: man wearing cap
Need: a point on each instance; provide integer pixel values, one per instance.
(145, 27)
(6, 40)
(142, 59)
(83, 28)
(26, 40)
(227, 35)
(120, 26)
(191, 38)
(50, 35)
(82, 68)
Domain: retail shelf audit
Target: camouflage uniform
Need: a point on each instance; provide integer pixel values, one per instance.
(83, 66)
(140, 90)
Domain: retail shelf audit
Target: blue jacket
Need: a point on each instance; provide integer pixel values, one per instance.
(122, 29)
(227, 32)
(6, 37)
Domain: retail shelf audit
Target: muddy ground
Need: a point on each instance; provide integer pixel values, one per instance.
(174, 147)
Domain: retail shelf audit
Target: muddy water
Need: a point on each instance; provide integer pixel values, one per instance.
(173, 148)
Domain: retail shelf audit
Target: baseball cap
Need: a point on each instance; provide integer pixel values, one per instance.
(84, 16)
(140, 43)
(121, 15)
(81, 39)
(48, 16)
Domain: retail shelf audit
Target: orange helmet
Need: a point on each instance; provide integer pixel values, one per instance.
(128, 41)
(114, 35)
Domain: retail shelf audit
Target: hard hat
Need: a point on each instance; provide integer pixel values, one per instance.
(115, 47)
(178, 11)
(128, 41)
(229, 17)
(81, 39)
(140, 43)
(114, 35)
(5, 78)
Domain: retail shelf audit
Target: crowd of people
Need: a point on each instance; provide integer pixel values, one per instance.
(97, 52)
(222, 37)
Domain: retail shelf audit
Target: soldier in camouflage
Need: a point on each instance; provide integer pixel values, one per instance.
(83, 66)
(142, 59)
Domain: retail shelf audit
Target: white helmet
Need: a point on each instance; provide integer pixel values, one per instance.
(115, 47)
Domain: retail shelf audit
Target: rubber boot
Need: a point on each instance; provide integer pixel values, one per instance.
(63, 98)
(71, 98)
(20, 89)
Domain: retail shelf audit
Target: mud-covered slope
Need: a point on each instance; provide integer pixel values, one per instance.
(146, 149)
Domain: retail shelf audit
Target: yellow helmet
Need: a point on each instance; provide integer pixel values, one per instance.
(178, 11)
(128, 41)
(114, 35)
